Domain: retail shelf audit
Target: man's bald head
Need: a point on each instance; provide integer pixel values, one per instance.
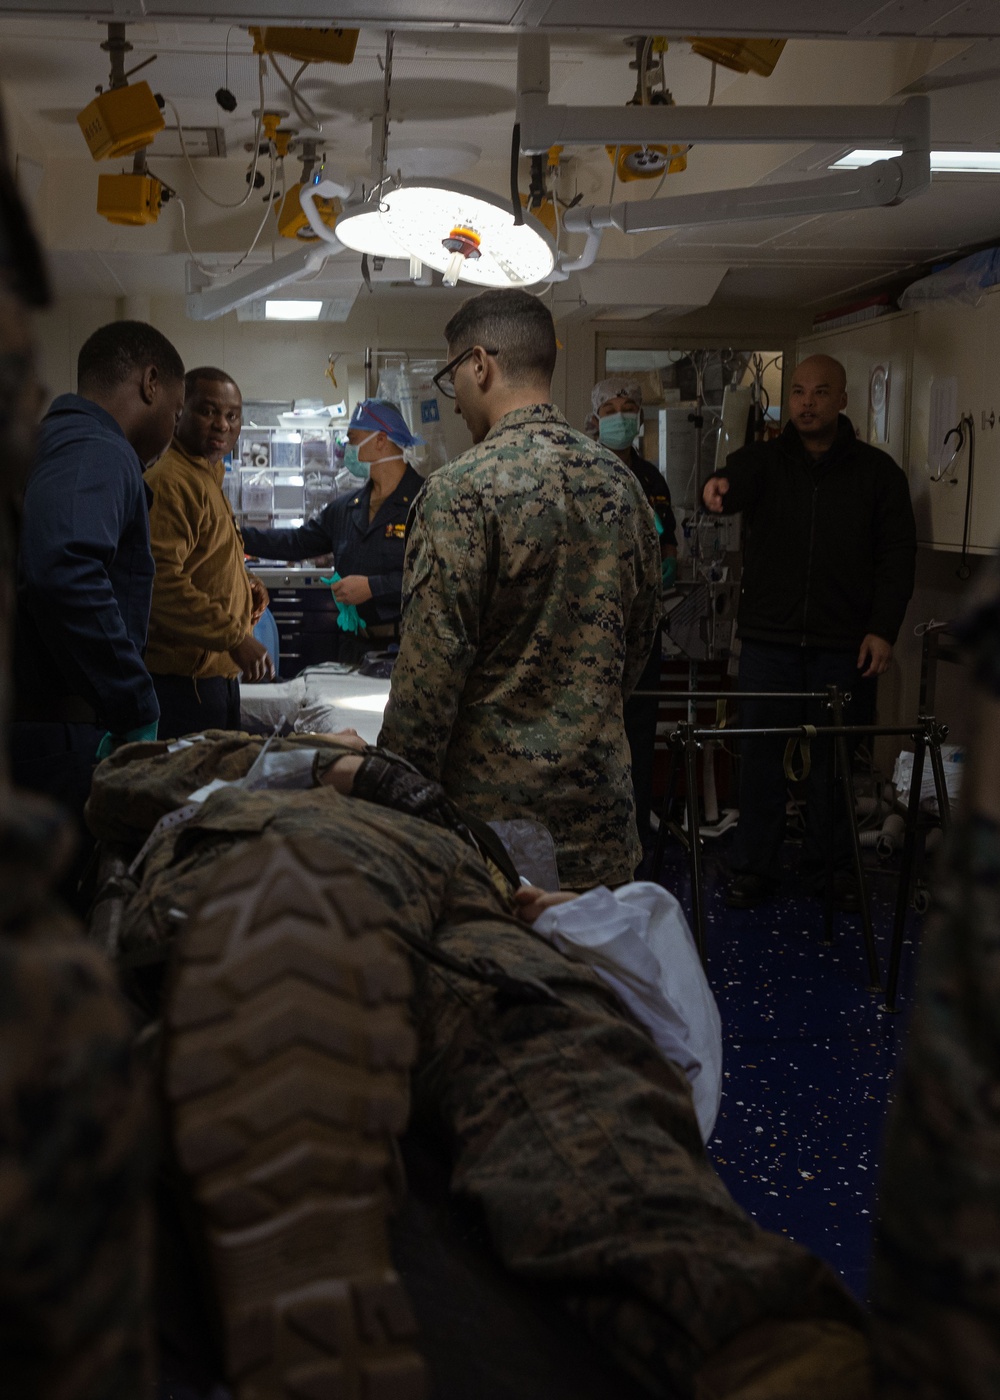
(822, 368)
(817, 397)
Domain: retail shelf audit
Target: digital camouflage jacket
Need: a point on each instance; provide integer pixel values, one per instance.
(530, 603)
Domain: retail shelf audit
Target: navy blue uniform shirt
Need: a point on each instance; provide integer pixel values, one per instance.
(85, 572)
(657, 493)
(374, 549)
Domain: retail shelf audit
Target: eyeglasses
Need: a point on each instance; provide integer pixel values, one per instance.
(444, 380)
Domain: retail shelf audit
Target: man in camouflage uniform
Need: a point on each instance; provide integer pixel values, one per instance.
(531, 597)
(75, 1161)
(937, 1262)
(292, 913)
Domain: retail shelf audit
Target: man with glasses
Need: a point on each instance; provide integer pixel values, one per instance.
(531, 596)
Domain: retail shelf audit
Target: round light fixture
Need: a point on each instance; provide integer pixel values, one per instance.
(429, 217)
(466, 233)
(364, 229)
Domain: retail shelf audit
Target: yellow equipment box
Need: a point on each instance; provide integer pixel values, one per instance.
(121, 121)
(129, 199)
(742, 55)
(306, 45)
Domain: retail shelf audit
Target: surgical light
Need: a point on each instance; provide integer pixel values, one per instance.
(365, 231)
(292, 310)
(433, 221)
(465, 233)
(961, 162)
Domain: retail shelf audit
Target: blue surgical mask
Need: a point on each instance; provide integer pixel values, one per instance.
(617, 430)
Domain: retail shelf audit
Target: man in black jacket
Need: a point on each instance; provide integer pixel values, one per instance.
(829, 557)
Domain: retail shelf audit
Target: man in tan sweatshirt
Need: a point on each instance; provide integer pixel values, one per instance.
(205, 603)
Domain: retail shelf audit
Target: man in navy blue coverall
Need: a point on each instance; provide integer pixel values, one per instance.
(364, 530)
(85, 571)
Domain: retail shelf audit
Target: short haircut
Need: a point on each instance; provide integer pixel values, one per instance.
(115, 352)
(516, 326)
(209, 375)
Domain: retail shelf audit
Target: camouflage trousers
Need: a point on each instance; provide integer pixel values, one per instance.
(76, 1155)
(566, 1125)
(937, 1261)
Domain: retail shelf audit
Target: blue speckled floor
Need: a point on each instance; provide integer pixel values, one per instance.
(809, 1059)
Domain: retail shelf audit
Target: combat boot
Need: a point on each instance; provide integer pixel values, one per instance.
(288, 1045)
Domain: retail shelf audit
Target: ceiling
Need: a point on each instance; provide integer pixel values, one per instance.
(940, 19)
(452, 105)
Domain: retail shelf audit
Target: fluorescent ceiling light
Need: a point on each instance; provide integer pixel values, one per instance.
(293, 310)
(969, 162)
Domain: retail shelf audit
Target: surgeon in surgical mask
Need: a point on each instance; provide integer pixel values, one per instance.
(364, 530)
(617, 414)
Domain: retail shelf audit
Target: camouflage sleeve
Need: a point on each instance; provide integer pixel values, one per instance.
(444, 580)
(644, 615)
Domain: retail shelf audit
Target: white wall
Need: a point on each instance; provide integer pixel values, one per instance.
(288, 360)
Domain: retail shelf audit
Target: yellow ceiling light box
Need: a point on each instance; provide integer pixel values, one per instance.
(121, 121)
(741, 55)
(648, 162)
(306, 45)
(129, 199)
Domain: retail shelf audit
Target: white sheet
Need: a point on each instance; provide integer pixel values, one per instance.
(324, 701)
(637, 940)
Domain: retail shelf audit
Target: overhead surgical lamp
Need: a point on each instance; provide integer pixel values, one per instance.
(467, 234)
(363, 229)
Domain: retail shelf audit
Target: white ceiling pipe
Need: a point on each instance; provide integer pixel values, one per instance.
(890, 182)
(544, 125)
(213, 302)
(326, 189)
(567, 266)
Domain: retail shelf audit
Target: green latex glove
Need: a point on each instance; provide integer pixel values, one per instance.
(668, 572)
(142, 734)
(658, 523)
(348, 618)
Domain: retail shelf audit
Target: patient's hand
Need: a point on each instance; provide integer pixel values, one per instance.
(350, 738)
(531, 901)
(340, 775)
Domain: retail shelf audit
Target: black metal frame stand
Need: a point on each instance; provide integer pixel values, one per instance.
(927, 735)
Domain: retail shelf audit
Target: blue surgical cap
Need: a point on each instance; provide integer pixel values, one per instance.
(381, 416)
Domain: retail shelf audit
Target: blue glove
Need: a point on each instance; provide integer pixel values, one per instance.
(142, 734)
(668, 571)
(348, 617)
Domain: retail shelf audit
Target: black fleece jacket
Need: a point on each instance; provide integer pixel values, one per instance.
(830, 544)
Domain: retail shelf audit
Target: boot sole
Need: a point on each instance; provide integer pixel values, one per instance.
(286, 1071)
